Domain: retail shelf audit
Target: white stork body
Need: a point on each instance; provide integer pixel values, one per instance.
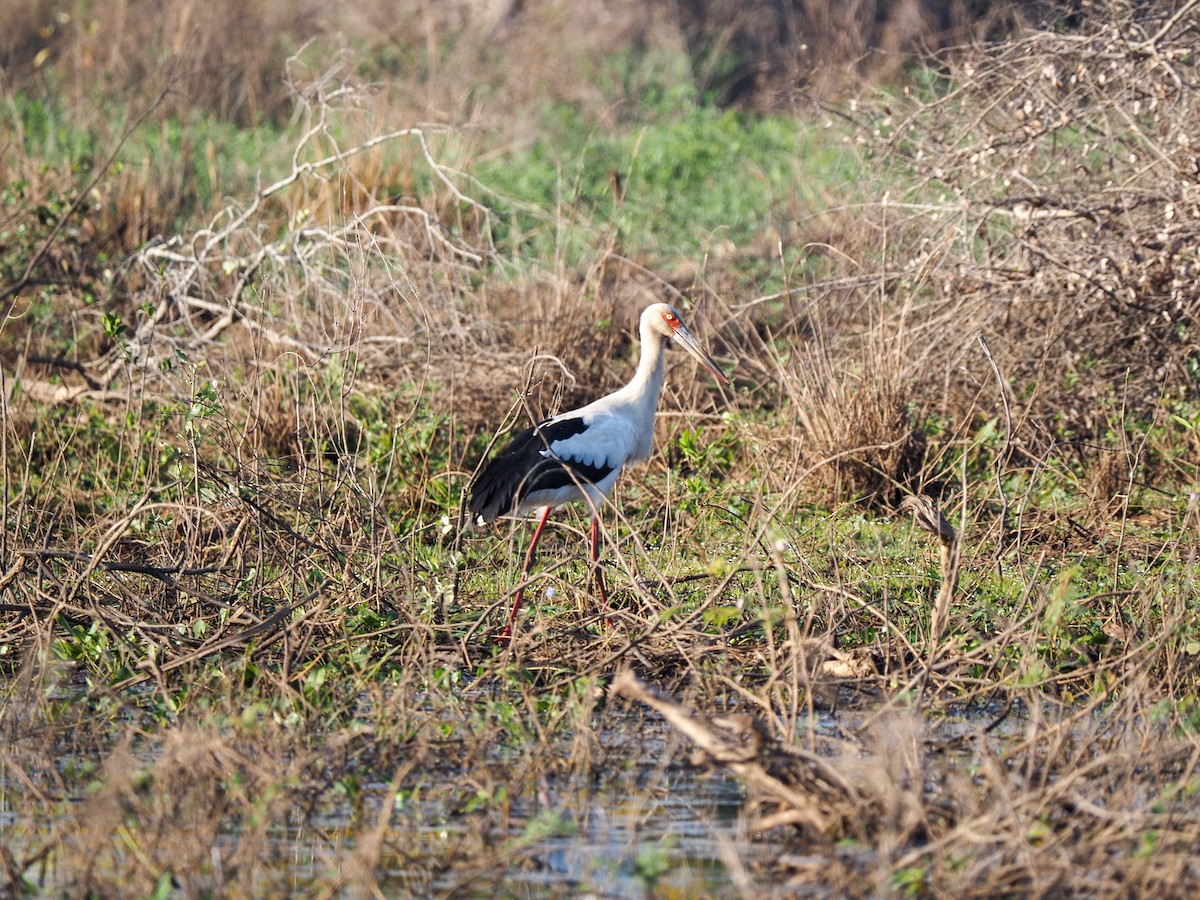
(578, 455)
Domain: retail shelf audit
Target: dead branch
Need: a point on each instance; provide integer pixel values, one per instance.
(813, 792)
(930, 518)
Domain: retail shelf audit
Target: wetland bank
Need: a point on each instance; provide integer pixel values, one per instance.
(907, 608)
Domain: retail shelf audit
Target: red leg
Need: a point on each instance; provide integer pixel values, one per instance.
(507, 633)
(596, 565)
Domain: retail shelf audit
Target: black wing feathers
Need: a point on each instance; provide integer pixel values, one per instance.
(520, 469)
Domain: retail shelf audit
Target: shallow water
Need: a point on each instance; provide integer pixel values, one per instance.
(647, 829)
(632, 826)
(627, 843)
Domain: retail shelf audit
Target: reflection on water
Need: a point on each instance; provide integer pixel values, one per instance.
(627, 842)
(647, 828)
(634, 821)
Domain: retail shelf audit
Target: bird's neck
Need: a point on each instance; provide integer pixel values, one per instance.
(639, 398)
(647, 380)
(642, 391)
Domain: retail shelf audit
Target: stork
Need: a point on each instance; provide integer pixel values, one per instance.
(576, 456)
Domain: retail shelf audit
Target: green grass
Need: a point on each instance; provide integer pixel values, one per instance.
(203, 158)
(689, 183)
(410, 563)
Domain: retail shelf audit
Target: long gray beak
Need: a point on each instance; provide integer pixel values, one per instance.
(688, 342)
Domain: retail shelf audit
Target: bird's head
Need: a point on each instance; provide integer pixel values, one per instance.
(664, 320)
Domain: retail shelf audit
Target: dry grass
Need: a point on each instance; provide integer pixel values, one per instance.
(226, 58)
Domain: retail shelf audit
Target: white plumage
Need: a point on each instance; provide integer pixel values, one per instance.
(578, 455)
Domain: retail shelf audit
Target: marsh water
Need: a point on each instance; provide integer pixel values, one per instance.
(642, 821)
(673, 839)
(662, 831)
(648, 828)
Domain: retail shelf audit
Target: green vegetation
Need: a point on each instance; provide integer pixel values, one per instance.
(252, 353)
(671, 187)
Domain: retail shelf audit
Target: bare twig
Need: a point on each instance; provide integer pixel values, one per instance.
(801, 782)
(930, 518)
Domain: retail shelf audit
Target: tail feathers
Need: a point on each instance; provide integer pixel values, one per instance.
(496, 490)
(493, 494)
(521, 469)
